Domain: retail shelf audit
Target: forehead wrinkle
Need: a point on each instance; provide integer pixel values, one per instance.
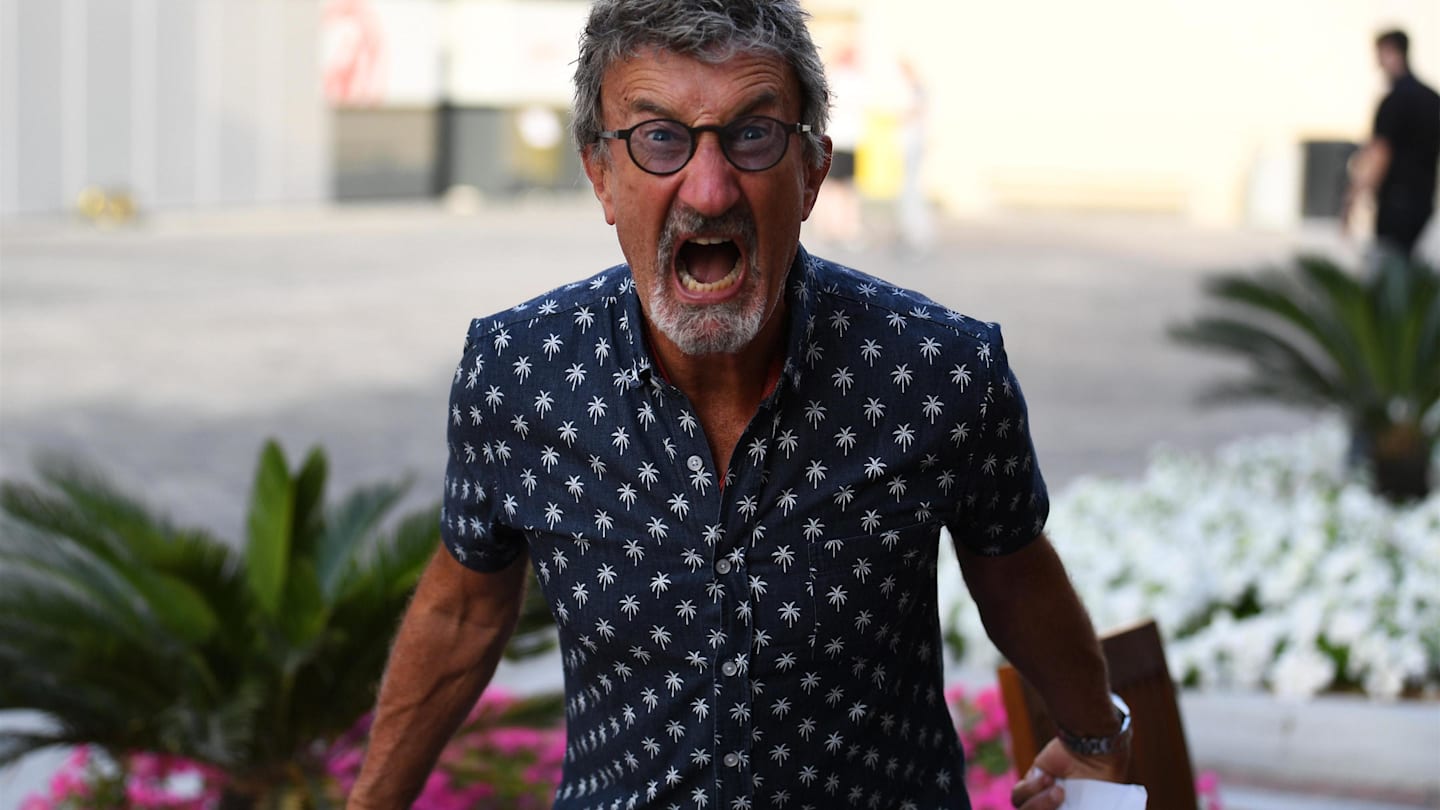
(648, 106)
(646, 87)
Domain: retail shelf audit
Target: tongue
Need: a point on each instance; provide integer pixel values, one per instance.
(709, 263)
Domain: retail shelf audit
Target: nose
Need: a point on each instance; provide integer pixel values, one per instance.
(708, 182)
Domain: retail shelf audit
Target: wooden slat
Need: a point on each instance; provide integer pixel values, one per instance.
(1160, 758)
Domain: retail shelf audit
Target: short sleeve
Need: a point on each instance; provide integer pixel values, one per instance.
(1387, 118)
(1005, 503)
(470, 524)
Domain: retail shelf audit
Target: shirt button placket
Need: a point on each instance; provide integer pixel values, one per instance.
(732, 682)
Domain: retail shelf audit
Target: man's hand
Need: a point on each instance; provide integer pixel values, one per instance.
(1038, 791)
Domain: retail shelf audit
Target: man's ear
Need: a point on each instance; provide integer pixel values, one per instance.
(597, 168)
(815, 175)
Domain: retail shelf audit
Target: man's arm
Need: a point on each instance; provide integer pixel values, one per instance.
(1035, 618)
(446, 651)
(1368, 168)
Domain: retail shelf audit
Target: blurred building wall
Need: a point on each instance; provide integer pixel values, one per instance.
(1201, 109)
(1196, 108)
(431, 95)
(179, 103)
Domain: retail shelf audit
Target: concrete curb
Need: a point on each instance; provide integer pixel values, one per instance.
(1347, 742)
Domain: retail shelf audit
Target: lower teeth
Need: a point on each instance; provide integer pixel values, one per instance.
(695, 285)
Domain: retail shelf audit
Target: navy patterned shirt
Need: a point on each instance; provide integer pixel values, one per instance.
(764, 636)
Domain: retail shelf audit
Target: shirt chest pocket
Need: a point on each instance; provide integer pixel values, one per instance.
(867, 589)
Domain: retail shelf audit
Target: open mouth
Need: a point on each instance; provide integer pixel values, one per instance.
(708, 264)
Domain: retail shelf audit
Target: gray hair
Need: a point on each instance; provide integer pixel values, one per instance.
(709, 30)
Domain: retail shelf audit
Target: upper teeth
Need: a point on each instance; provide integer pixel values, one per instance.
(709, 240)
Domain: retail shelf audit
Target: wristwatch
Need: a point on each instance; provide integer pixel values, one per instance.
(1099, 746)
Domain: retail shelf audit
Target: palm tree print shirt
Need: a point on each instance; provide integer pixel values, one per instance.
(764, 636)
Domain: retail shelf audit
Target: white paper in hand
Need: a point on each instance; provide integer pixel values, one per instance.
(1090, 794)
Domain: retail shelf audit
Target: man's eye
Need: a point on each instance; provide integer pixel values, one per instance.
(753, 132)
(661, 134)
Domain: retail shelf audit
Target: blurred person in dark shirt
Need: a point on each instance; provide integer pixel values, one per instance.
(1398, 164)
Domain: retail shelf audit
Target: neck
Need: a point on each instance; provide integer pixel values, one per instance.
(725, 389)
(741, 378)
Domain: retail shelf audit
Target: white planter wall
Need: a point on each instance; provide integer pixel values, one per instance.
(1327, 742)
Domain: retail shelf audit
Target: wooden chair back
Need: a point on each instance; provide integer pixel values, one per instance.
(1159, 759)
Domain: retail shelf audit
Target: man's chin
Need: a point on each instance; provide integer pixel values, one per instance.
(709, 337)
(711, 344)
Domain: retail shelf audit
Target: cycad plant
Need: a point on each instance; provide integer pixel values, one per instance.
(136, 635)
(1319, 337)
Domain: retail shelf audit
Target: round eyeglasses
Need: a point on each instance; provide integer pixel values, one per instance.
(662, 146)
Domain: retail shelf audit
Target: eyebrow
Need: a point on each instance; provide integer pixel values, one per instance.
(645, 105)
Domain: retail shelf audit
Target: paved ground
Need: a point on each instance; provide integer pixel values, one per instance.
(168, 352)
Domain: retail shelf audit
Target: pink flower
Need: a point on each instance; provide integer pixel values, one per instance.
(1207, 785)
(987, 791)
(141, 793)
(344, 763)
(68, 782)
(514, 740)
(990, 727)
(148, 766)
(954, 693)
(989, 703)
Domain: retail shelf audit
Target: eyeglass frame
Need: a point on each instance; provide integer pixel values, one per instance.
(696, 132)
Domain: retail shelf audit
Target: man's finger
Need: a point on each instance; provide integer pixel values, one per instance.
(1049, 799)
(1035, 783)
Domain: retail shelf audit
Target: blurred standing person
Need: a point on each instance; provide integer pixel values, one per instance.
(917, 229)
(838, 212)
(1398, 164)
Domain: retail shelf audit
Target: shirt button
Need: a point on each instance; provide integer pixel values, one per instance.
(732, 759)
(729, 669)
(722, 567)
(695, 463)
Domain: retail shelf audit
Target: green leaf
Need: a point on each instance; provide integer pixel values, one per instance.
(348, 528)
(178, 606)
(1319, 336)
(272, 509)
(305, 611)
(309, 503)
(1277, 360)
(132, 634)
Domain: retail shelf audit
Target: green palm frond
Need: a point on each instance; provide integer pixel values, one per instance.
(126, 631)
(355, 556)
(1303, 377)
(1319, 336)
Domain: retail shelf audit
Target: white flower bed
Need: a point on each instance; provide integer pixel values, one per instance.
(1267, 567)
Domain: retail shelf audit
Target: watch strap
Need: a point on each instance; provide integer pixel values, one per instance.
(1100, 746)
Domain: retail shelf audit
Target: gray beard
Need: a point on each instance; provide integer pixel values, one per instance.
(711, 328)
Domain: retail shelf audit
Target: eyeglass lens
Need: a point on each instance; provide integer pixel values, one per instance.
(753, 143)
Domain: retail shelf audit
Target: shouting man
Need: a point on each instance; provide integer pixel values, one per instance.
(730, 462)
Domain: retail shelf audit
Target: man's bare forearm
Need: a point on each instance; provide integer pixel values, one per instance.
(1035, 618)
(445, 653)
(1368, 168)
